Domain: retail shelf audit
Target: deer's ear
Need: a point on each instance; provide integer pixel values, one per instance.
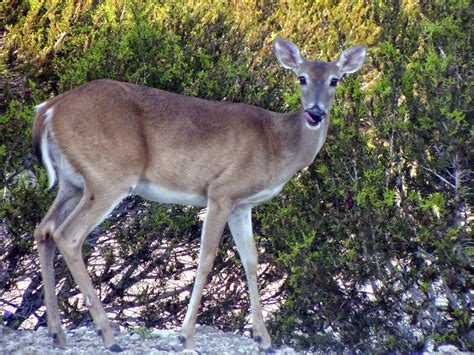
(351, 59)
(288, 54)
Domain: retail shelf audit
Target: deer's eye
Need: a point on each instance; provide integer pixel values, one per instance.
(302, 80)
(334, 81)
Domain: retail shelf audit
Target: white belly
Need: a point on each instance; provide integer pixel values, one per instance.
(262, 196)
(157, 193)
(161, 194)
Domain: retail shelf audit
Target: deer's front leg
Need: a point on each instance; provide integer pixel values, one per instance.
(214, 223)
(240, 224)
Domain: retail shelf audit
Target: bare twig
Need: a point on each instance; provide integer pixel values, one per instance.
(438, 176)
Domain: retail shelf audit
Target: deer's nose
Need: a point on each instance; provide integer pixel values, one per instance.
(315, 114)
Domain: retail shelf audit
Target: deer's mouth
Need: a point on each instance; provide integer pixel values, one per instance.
(313, 119)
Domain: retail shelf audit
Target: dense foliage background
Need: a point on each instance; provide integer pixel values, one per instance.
(368, 249)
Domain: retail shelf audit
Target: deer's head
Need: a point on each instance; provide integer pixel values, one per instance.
(318, 80)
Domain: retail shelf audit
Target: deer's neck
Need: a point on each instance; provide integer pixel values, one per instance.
(305, 142)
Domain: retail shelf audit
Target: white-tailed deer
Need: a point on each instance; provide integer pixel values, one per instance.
(106, 140)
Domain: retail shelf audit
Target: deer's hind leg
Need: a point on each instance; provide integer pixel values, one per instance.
(66, 200)
(92, 209)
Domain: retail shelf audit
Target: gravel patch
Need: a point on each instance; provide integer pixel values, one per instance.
(84, 340)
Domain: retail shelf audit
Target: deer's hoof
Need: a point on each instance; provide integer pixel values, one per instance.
(59, 339)
(261, 346)
(115, 348)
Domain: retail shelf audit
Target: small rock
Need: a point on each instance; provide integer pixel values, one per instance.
(156, 334)
(79, 331)
(429, 346)
(285, 349)
(135, 337)
(166, 333)
(447, 349)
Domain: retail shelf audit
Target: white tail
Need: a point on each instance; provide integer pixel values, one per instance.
(108, 139)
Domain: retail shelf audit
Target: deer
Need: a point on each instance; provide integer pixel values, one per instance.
(106, 140)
